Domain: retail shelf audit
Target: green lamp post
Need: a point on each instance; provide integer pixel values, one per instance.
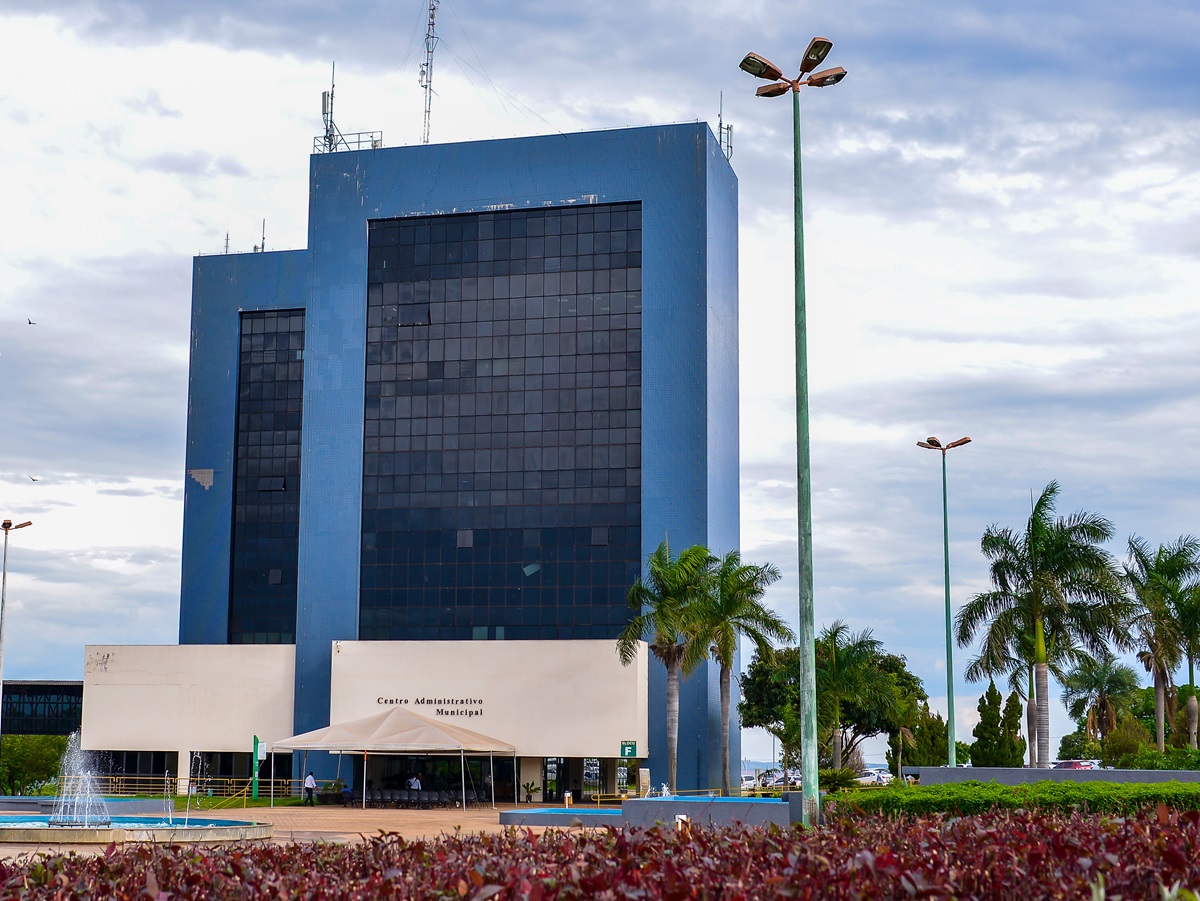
(933, 444)
(818, 49)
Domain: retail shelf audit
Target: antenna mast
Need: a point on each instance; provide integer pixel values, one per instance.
(426, 79)
(332, 137)
(724, 132)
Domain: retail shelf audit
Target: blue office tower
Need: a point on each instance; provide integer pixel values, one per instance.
(499, 376)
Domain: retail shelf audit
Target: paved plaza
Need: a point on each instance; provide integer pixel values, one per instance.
(329, 824)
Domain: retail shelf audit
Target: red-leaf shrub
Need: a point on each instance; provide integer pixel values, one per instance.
(1004, 854)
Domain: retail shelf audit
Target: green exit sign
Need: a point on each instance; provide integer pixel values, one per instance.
(629, 749)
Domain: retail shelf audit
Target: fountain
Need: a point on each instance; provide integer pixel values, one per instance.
(78, 803)
(81, 815)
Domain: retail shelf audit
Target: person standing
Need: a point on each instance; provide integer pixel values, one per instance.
(310, 788)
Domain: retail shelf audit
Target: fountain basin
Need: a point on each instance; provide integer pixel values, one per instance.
(26, 829)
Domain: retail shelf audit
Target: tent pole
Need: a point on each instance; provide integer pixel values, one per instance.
(272, 776)
(516, 781)
(462, 756)
(364, 785)
(304, 769)
(492, 773)
(338, 777)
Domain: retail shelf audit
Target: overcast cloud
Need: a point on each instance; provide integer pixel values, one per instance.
(1002, 242)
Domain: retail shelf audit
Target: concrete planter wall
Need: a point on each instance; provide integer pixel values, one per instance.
(941, 775)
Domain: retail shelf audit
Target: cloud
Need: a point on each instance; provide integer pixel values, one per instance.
(1000, 241)
(109, 407)
(151, 104)
(192, 163)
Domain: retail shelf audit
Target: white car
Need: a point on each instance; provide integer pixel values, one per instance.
(748, 781)
(873, 776)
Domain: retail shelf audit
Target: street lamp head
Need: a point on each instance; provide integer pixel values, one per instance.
(7, 525)
(959, 443)
(818, 49)
(926, 444)
(760, 67)
(773, 90)
(933, 442)
(827, 78)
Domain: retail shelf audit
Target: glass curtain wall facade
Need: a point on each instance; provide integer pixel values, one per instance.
(266, 503)
(502, 427)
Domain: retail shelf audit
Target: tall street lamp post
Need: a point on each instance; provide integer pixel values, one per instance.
(933, 444)
(759, 67)
(7, 526)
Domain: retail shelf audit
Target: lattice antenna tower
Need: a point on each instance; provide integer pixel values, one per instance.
(333, 137)
(724, 132)
(426, 79)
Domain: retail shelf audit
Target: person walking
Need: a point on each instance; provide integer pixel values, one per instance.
(310, 788)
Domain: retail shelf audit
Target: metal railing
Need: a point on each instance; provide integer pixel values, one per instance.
(360, 140)
(207, 786)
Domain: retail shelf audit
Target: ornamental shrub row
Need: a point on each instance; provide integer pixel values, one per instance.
(980, 797)
(1000, 855)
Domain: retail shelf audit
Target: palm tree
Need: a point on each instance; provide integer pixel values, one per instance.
(1054, 573)
(1157, 580)
(1099, 689)
(731, 608)
(1185, 611)
(845, 672)
(662, 598)
(1007, 649)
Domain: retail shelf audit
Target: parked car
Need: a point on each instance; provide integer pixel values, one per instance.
(782, 781)
(873, 776)
(1077, 765)
(748, 781)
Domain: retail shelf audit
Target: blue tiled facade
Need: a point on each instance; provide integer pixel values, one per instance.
(523, 458)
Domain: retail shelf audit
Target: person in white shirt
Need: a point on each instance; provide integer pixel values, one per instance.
(310, 787)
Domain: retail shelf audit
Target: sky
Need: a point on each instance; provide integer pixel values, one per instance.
(1002, 240)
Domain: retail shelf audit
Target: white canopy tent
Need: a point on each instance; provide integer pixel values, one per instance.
(399, 731)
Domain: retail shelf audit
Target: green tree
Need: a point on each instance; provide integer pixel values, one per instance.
(930, 736)
(986, 747)
(997, 740)
(1158, 580)
(848, 671)
(662, 598)
(1054, 579)
(1126, 741)
(732, 607)
(1185, 611)
(1077, 746)
(1099, 691)
(771, 683)
(26, 760)
(1010, 727)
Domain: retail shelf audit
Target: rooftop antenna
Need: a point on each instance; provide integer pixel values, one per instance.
(724, 132)
(227, 242)
(332, 136)
(426, 79)
(261, 248)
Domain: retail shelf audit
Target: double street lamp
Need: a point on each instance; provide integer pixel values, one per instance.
(759, 67)
(7, 526)
(933, 444)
